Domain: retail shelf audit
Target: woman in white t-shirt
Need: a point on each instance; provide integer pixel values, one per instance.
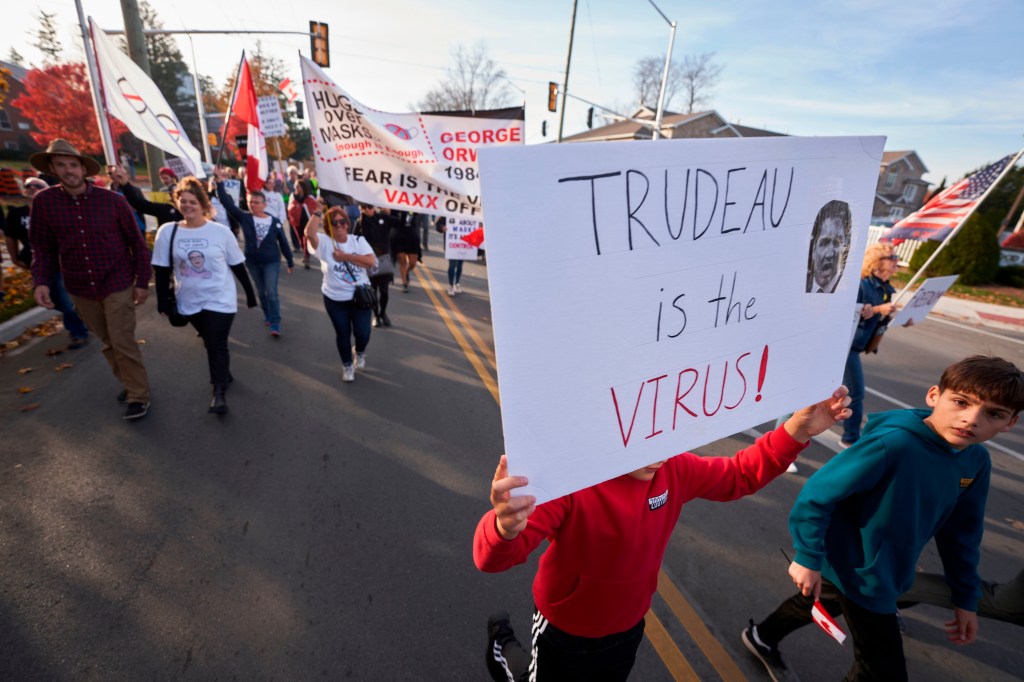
(344, 260)
(205, 254)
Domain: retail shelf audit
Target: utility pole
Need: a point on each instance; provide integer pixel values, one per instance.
(568, 63)
(137, 51)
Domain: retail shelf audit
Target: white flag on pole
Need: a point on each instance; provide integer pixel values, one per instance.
(133, 98)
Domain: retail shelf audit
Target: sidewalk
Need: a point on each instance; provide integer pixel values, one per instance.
(986, 315)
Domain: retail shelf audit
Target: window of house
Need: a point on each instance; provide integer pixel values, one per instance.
(909, 193)
(5, 122)
(890, 180)
(896, 213)
(12, 145)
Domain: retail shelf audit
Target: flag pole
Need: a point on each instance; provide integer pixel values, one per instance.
(101, 113)
(231, 104)
(921, 270)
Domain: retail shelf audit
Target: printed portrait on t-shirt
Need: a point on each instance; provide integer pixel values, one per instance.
(195, 266)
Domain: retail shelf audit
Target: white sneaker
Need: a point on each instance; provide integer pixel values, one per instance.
(360, 360)
(451, 291)
(348, 373)
(458, 288)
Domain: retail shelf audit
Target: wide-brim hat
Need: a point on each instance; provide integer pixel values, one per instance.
(41, 160)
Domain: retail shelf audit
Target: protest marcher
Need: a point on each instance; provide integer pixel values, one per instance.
(830, 245)
(275, 202)
(422, 223)
(265, 242)
(454, 264)
(344, 261)
(163, 212)
(301, 206)
(168, 177)
(596, 579)
(16, 236)
(862, 520)
(89, 235)
(875, 296)
(376, 229)
(405, 246)
(1000, 601)
(292, 179)
(204, 254)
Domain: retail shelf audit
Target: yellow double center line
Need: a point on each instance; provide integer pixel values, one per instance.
(483, 355)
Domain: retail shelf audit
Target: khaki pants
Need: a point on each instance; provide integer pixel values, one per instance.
(113, 321)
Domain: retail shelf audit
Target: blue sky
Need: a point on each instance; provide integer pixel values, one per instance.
(942, 77)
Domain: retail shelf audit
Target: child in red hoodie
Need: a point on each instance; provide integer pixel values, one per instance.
(596, 580)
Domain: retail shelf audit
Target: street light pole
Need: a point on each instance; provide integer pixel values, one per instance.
(568, 62)
(664, 76)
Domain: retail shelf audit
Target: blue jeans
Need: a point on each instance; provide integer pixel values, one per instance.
(454, 272)
(264, 279)
(853, 377)
(62, 302)
(348, 320)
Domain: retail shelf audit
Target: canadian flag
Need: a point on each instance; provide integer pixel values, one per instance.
(821, 617)
(245, 108)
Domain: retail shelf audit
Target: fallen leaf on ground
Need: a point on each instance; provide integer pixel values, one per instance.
(11, 345)
(24, 370)
(1015, 524)
(141, 342)
(54, 351)
(24, 389)
(62, 366)
(29, 407)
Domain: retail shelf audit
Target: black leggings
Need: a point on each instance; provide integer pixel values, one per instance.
(877, 643)
(380, 284)
(214, 328)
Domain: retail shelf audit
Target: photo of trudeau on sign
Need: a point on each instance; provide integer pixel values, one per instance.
(651, 297)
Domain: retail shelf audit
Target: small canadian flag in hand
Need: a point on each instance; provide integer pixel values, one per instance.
(821, 617)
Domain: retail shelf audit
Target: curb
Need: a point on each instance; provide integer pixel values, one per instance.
(14, 327)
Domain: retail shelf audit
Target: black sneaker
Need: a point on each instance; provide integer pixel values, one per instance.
(136, 410)
(122, 397)
(768, 655)
(499, 633)
(385, 319)
(78, 342)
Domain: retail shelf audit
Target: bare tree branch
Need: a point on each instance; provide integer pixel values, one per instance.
(473, 81)
(694, 78)
(700, 75)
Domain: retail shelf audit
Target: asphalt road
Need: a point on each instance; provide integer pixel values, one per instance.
(322, 530)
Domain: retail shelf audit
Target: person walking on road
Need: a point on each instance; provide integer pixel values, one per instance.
(301, 205)
(205, 254)
(344, 260)
(875, 297)
(89, 234)
(376, 229)
(265, 242)
(19, 246)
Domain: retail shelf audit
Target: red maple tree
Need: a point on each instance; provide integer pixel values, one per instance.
(58, 101)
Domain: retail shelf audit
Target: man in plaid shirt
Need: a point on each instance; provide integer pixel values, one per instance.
(90, 234)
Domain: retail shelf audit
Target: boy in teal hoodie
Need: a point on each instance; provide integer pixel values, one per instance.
(861, 522)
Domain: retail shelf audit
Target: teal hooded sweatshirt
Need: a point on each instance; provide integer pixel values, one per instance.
(864, 518)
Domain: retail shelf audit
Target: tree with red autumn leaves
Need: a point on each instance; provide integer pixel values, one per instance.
(58, 101)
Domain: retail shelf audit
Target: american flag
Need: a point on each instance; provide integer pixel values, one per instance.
(947, 210)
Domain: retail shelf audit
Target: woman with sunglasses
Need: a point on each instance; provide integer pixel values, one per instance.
(344, 261)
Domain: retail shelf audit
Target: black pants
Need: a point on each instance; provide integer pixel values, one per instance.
(381, 283)
(558, 656)
(877, 644)
(214, 328)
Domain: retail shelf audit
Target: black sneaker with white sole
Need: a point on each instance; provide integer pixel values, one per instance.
(499, 633)
(136, 410)
(768, 655)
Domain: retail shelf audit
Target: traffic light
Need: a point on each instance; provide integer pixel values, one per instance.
(590, 117)
(543, 128)
(318, 44)
(552, 96)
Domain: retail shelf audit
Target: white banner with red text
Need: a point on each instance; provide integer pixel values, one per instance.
(424, 163)
(682, 291)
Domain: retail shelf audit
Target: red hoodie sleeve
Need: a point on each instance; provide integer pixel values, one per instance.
(492, 553)
(729, 478)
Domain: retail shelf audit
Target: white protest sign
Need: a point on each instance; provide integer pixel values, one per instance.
(425, 163)
(924, 299)
(234, 189)
(455, 246)
(669, 283)
(269, 112)
(178, 166)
